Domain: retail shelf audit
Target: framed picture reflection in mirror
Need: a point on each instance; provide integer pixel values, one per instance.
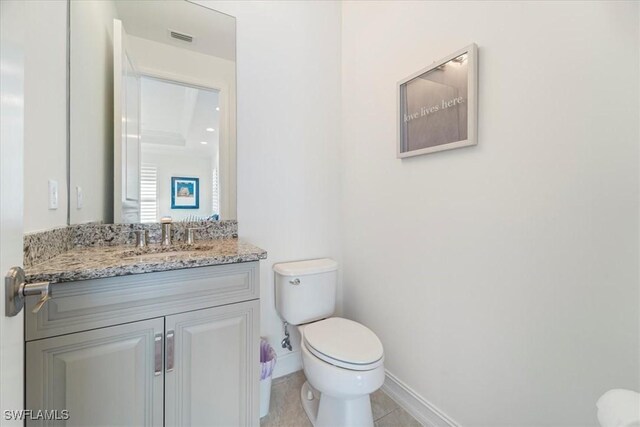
(185, 193)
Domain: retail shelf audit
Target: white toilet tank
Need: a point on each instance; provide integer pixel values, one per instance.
(306, 290)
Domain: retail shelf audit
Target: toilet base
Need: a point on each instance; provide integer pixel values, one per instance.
(328, 411)
(310, 406)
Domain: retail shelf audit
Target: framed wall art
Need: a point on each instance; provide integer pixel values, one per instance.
(437, 106)
(185, 193)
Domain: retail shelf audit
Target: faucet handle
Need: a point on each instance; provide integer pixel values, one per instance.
(165, 226)
(142, 236)
(191, 238)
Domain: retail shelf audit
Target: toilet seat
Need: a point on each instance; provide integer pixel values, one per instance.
(344, 343)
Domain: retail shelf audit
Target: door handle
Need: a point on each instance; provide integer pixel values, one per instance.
(16, 290)
(170, 350)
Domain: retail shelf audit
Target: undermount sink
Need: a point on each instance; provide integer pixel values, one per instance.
(159, 251)
(137, 255)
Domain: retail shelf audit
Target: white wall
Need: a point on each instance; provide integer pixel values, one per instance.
(503, 278)
(45, 113)
(92, 110)
(288, 59)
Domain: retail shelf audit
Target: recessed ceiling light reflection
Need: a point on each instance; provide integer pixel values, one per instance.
(211, 130)
(217, 108)
(203, 142)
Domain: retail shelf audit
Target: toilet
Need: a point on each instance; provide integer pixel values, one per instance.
(342, 359)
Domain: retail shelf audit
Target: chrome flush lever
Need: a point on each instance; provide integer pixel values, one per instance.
(16, 290)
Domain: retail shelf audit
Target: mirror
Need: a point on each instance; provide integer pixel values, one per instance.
(152, 104)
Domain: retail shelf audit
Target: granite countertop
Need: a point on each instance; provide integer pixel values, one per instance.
(82, 263)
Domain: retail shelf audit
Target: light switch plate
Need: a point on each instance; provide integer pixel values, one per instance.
(53, 194)
(79, 198)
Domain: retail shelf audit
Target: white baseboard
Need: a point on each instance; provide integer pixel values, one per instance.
(287, 363)
(422, 410)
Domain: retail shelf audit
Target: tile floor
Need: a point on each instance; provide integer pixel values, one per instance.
(286, 409)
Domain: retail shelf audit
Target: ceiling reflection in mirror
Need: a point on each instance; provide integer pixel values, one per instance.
(152, 112)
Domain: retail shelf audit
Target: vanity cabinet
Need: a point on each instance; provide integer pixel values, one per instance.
(182, 364)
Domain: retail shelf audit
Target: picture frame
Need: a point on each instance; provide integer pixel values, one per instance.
(185, 192)
(437, 107)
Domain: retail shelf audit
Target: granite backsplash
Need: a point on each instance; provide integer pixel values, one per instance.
(44, 245)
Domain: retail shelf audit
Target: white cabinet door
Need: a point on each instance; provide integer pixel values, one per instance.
(105, 377)
(213, 378)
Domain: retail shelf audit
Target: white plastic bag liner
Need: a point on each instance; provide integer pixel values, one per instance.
(619, 408)
(267, 363)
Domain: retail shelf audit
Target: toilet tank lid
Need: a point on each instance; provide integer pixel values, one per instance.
(301, 268)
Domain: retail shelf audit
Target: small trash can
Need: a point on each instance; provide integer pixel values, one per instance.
(267, 363)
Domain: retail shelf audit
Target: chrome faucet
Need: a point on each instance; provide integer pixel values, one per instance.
(165, 224)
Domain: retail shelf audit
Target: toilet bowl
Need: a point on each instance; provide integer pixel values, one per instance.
(342, 359)
(340, 378)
